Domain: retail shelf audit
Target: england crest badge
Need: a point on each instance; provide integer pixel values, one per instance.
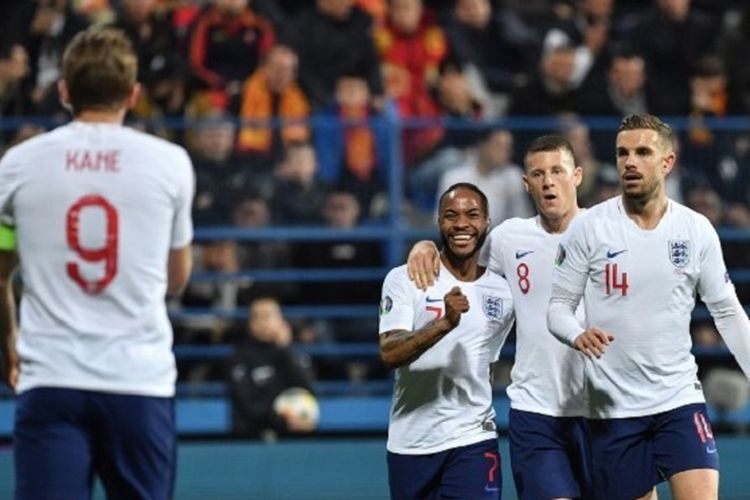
(492, 307)
(679, 253)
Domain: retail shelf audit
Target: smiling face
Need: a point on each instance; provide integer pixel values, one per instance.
(463, 222)
(552, 178)
(644, 159)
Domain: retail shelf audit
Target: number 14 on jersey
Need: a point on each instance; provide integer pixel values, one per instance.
(615, 280)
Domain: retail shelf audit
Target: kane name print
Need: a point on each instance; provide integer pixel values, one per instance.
(92, 161)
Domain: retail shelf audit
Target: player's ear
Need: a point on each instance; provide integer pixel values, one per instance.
(64, 95)
(135, 94)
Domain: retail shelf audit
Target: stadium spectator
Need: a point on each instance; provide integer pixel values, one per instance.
(578, 134)
(671, 35)
(341, 210)
(14, 98)
(587, 29)
(495, 45)
(622, 93)
(463, 108)
(272, 92)
(251, 210)
(706, 201)
(333, 38)
(263, 367)
(217, 296)
(648, 418)
(411, 46)
(298, 192)
(734, 49)
(494, 171)
(46, 27)
(149, 27)
(442, 440)
(551, 91)
(352, 146)
(227, 42)
(219, 172)
(102, 215)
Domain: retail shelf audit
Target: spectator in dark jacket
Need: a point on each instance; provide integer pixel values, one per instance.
(265, 366)
(332, 39)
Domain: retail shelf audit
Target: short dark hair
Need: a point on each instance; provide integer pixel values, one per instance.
(471, 187)
(640, 121)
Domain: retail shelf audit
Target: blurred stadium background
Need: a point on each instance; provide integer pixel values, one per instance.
(314, 205)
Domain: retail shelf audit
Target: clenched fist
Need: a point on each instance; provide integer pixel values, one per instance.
(456, 304)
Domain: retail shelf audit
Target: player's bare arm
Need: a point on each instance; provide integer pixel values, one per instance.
(593, 342)
(8, 263)
(423, 264)
(179, 268)
(400, 347)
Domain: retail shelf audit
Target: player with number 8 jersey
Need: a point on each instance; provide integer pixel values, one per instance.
(102, 219)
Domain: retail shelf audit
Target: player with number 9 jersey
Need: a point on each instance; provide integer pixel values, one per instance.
(103, 230)
(90, 202)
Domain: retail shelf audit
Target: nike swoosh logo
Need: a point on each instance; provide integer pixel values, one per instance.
(710, 449)
(428, 299)
(523, 253)
(489, 488)
(612, 255)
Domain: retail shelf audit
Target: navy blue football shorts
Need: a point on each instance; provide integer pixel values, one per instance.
(631, 455)
(549, 456)
(62, 437)
(470, 472)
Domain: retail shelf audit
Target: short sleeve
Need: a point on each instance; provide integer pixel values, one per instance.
(9, 182)
(494, 244)
(572, 260)
(714, 284)
(396, 302)
(182, 228)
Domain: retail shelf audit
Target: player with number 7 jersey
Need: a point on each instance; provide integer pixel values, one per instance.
(103, 230)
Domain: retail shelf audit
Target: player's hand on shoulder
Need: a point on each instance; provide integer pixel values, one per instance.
(423, 264)
(593, 342)
(456, 304)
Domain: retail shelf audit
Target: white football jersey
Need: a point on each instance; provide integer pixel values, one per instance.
(97, 208)
(641, 289)
(443, 399)
(547, 376)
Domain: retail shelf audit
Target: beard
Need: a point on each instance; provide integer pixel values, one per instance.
(643, 195)
(453, 257)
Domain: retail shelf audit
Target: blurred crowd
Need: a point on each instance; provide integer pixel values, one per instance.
(287, 106)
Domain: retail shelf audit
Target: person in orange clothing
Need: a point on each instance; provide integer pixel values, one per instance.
(272, 91)
(411, 46)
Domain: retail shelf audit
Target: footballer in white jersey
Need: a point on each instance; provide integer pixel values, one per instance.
(91, 201)
(102, 220)
(547, 376)
(442, 439)
(453, 405)
(636, 274)
(548, 443)
(642, 259)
